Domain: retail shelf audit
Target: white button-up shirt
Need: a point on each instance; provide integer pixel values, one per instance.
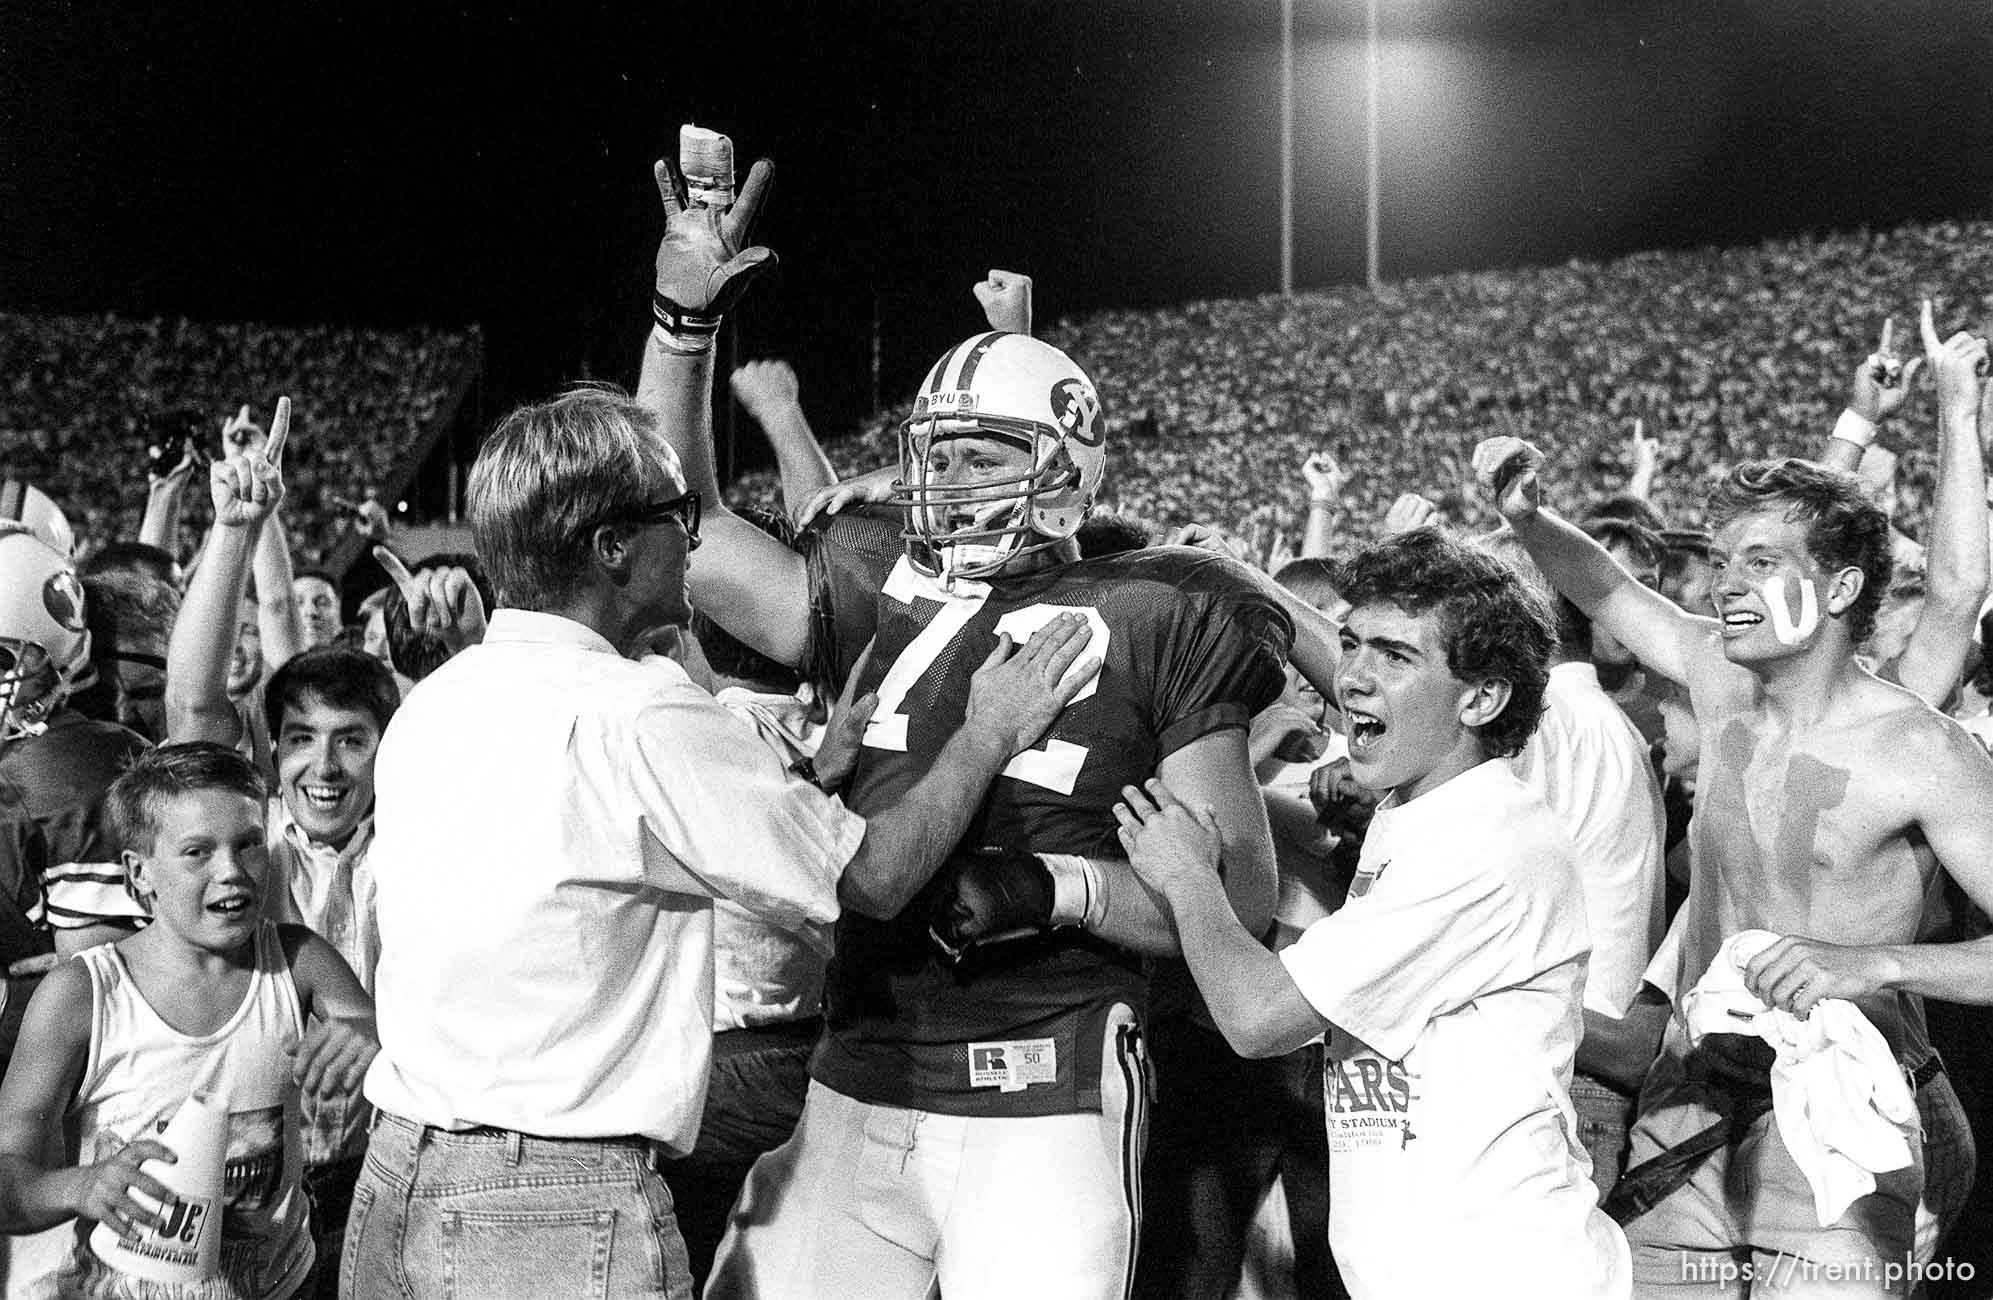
(332, 892)
(552, 823)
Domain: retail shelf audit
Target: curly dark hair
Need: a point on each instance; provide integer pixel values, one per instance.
(1844, 526)
(1493, 626)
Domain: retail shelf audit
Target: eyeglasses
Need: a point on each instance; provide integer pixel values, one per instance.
(685, 509)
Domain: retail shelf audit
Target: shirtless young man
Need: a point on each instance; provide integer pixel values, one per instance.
(1829, 801)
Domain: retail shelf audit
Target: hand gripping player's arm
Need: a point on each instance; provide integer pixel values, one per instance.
(1666, 639)
(753, 585)
(1173, 844)
(246, 488)
(1956, 564)
(1001, 896)
(1013, 698)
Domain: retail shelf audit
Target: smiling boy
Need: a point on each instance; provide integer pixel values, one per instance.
(1449, 986)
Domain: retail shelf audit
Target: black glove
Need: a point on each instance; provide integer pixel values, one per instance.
(990, 896)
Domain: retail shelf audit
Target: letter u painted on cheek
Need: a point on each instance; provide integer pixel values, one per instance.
(1788, 628)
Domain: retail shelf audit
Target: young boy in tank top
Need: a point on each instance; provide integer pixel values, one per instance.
(117, 1037)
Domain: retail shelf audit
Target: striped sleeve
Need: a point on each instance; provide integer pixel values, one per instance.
(81, 894)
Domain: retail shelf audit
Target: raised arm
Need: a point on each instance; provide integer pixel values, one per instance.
(1956, 559)
(1664, 637)
(1326, 481)
(161, 525)
(246, 489)
(769, 391)
(277, 620)
(755, 587)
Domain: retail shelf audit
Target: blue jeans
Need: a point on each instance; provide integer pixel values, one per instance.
(493, 1215)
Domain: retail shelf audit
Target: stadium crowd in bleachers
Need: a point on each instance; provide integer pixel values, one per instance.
(85, 394)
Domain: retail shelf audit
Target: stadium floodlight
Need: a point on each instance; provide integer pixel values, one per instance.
(1372, 215)
(1372, 202)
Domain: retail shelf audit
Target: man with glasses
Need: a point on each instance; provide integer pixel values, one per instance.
(556, 810)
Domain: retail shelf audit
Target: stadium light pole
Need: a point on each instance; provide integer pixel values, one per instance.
(1372, 239)
(1287, 148)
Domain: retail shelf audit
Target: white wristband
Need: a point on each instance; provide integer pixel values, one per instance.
(1077, 896)
(1855, 428)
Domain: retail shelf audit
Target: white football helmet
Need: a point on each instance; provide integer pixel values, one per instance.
(44, 642)
(1015, 389)
(24, 503)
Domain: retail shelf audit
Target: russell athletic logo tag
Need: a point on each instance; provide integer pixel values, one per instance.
(1014, 1065)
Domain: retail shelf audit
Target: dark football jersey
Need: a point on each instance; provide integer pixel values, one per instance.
(1189, 646)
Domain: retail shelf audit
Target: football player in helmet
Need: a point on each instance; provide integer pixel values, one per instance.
(977, 1104)
(44, 640)
(1001, 457)
(56, 859)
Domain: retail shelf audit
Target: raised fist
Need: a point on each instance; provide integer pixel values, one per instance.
(1006, 300)
(1324, 475)
(1408, 512)
(765, 387)
(1507, 469)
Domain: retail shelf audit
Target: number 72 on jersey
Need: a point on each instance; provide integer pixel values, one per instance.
(1056, 764)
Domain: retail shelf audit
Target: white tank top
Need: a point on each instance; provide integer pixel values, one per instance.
(141, 1069)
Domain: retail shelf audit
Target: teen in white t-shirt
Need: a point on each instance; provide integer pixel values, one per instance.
(1450, 985)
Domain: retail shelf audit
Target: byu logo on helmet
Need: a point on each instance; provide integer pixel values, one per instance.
(62, 597)
(1077, 408)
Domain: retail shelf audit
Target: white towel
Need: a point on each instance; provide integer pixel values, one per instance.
(1841, 1101)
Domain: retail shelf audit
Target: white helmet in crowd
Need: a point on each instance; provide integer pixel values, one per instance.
(44, 642)
(1015, 389)
(24, 503)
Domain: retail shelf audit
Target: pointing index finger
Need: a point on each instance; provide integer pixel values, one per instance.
(397, 571)
(1888, 323)
(280, 433)
(1929, 326)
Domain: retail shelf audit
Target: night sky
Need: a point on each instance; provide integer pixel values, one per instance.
(384, 163)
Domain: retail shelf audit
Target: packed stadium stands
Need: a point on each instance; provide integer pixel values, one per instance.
(83, 395)
(1726, 354)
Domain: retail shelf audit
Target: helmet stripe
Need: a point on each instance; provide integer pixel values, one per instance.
(975, 358)
(937, 376)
